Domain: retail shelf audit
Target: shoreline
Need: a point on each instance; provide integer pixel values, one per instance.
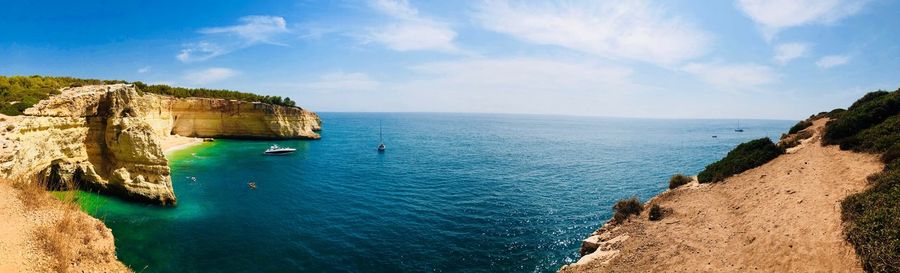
(175, 143)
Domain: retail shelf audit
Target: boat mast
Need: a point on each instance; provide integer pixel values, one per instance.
(380, 137)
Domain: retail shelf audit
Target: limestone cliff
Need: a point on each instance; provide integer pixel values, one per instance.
(107, 138)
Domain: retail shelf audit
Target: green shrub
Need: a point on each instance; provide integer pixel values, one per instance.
(870, 110)
(656, 213)
(745, 156)
(872, 217)
(877, 138)
(181, 92)
(803, 124)
(790, 141)
(18, 93)
(836, 113)
(625, 208)
(872, 223)
(679, 179)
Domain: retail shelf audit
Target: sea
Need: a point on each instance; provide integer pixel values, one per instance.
(452, 193)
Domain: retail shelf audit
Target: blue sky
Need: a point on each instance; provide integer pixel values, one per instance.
(670, 59)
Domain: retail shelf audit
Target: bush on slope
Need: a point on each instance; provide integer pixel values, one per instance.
(745, 156)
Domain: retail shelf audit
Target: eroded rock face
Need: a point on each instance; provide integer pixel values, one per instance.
(106, 138)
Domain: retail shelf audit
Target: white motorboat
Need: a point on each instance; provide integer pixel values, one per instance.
(275, 150)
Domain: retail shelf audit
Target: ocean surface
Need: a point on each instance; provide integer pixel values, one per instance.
(452, 193)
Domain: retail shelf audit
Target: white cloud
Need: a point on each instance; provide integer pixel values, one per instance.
(774, 15)
(253, 29)
(634, 30)
(209, 75)
(832, 61)
(217, 41)
(340, 81)
(143, 70)
(396, 8)
(201, 51)
(732, 77)
(410, 30)
(786, 52)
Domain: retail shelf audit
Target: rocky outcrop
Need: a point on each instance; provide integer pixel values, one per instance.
(107, 138)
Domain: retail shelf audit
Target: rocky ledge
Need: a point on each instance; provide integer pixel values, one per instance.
(107, 137)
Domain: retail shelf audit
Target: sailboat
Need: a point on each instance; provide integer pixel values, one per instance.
(381, 146)
(739, 129)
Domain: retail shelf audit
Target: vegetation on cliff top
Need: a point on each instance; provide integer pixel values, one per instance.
(678, 180)
(627, 207)
(18, 93)
(745, 156)
(872, 217)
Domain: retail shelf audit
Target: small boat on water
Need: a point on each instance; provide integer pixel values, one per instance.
(275, 150)
(739, 129)
(381, 146)
(251, 185)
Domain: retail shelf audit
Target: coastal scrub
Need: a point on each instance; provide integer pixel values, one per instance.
(745, 156)
(872, 217)
(627, 207)
(678, 180)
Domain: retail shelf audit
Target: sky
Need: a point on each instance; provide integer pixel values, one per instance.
(767, 59)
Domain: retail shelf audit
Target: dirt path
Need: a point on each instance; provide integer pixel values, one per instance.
(12, 232)
(781, 217)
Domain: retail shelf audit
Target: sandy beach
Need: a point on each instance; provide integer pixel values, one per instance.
(174, 143)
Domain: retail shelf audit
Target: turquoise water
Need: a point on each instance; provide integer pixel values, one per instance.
(453, 193)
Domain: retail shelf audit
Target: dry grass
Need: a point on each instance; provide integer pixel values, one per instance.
(71, 241)
(33, 195)
(625, 208)
(678, 180)
(656, 213)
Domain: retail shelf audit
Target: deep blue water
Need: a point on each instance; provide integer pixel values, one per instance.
(453, 193)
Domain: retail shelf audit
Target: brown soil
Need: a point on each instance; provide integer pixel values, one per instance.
(784, 216)
(44, 234)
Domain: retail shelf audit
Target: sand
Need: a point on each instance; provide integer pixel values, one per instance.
(783, 216)
(174, 143)
(15, 250)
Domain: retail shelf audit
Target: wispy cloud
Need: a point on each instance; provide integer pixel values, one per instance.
(409, 30)
(200, 51)
(143, 70)
(340, 81)
(733, 77)
(832, 61)
(209, 75)
(775, 15)
(217, 41)
(253, 29)
(786, 52)
(635, 30)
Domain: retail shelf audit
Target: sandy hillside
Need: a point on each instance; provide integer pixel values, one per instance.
(43, 235)
(781, 217)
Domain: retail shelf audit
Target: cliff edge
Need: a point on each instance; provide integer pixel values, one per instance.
(784, 216)
(108, 137)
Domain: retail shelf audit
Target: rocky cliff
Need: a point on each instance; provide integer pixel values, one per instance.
(107, 137)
